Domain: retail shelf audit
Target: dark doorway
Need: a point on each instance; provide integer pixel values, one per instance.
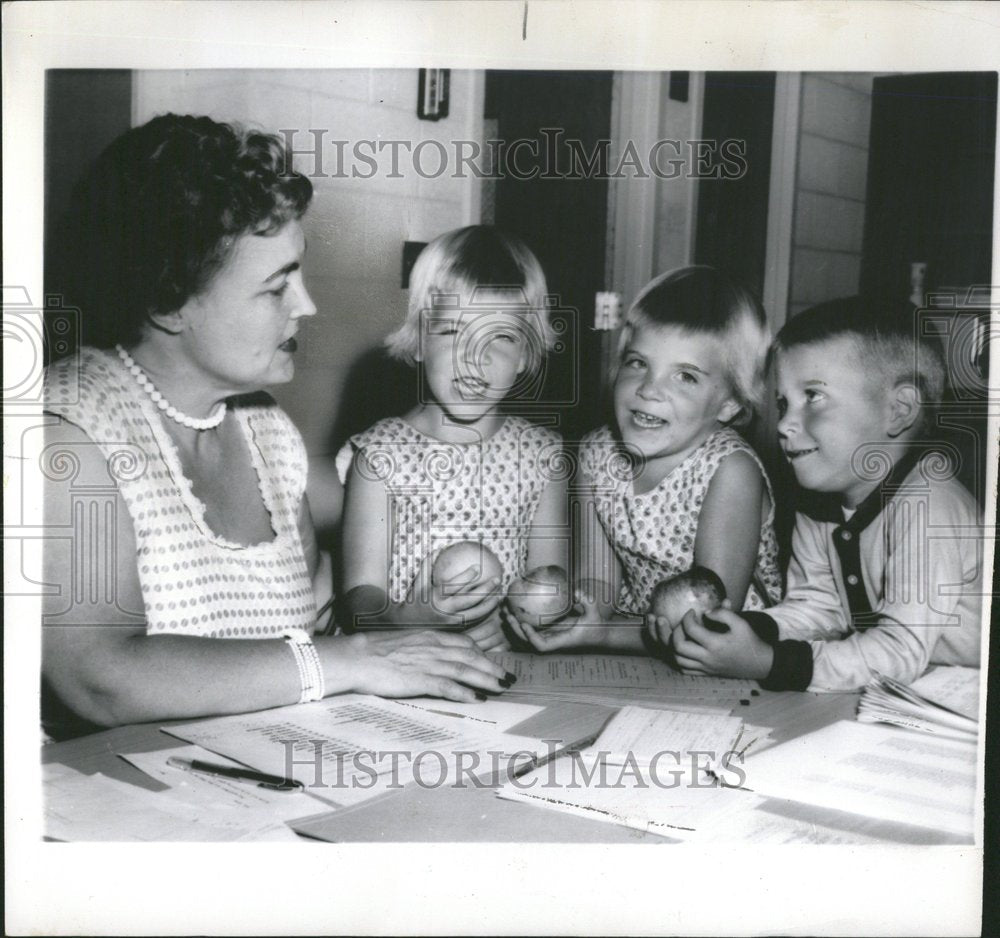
(930, 201)
(85, 109)
(731, 228)
(930, 181)
(561, 213)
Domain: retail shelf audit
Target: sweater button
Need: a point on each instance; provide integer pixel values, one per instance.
(853, 580)
(845, 535)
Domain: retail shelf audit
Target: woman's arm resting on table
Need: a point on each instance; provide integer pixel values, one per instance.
(104, 666)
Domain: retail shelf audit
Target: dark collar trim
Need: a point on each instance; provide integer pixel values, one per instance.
(872, 506)
(826, 508)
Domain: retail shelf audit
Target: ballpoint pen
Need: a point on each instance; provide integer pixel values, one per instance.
(536, 762)
(261, 779)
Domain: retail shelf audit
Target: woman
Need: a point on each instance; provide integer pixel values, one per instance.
(187, 249)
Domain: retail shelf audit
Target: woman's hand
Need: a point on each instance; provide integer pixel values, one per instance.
(411, 664)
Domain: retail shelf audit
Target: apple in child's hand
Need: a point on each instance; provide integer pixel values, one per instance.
(699, 589)
(540, 597)
(453, 560)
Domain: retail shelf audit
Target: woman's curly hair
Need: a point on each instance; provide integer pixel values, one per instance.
(159, 212)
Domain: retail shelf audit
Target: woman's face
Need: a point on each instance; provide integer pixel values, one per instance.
(240, 330)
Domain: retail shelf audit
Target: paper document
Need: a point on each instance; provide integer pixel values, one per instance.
(661, 801)
(500, 714)
(618, 680)
(80, 807)
(260, 806)
(944, 702)
(348, 749)
(643, 735)
(876, 771)
(637, 672)
(953, 687)
(745, 819)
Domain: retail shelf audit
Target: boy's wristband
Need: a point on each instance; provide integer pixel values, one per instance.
(792, 668)
(763, 625)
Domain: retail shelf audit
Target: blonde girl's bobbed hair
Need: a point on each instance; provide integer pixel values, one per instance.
(704, 300)
(458, 263)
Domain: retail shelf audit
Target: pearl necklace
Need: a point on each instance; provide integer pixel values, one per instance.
(194, 423)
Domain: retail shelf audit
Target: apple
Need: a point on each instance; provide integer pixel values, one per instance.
(452, 561)
(540, 597)
(699, 589)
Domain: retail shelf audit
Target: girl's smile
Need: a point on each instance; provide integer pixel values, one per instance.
(670, 394)
(471, 360)
(646, 421)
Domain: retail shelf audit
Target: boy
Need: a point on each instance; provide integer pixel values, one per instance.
(891, 583)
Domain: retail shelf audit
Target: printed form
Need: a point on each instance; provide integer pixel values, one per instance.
(350, 748)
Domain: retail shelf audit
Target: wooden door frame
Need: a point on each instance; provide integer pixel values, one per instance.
(781, 196)
(637, 114)
(637, 231)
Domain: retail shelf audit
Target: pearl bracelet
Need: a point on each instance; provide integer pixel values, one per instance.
(308, 664)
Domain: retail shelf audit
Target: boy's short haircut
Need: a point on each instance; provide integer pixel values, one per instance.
(888, 341)
(455, 265)
(704, 300)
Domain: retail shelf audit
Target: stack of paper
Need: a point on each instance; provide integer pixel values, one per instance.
(876, 771)
(641, 735)
(498, 713)
(82, 807)
(350, 748)
(660, 771)
(748, 819)
(944, 702)
(620, 680)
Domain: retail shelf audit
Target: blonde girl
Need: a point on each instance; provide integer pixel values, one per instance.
(672, 483)
(457, 467)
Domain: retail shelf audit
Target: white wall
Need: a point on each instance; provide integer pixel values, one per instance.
(356, 227)
(831, 181)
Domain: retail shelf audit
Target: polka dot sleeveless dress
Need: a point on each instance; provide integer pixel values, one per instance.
(441, 493)
(653, 533)
(193, 581)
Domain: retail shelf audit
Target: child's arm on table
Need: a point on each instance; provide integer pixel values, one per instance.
(738, 652)
(927, 580)
(549, 539)
(812, 645)
(547, 546)
(729, 523)
(367, 535)
(811, 609)
(593, 623)
(728, 535)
